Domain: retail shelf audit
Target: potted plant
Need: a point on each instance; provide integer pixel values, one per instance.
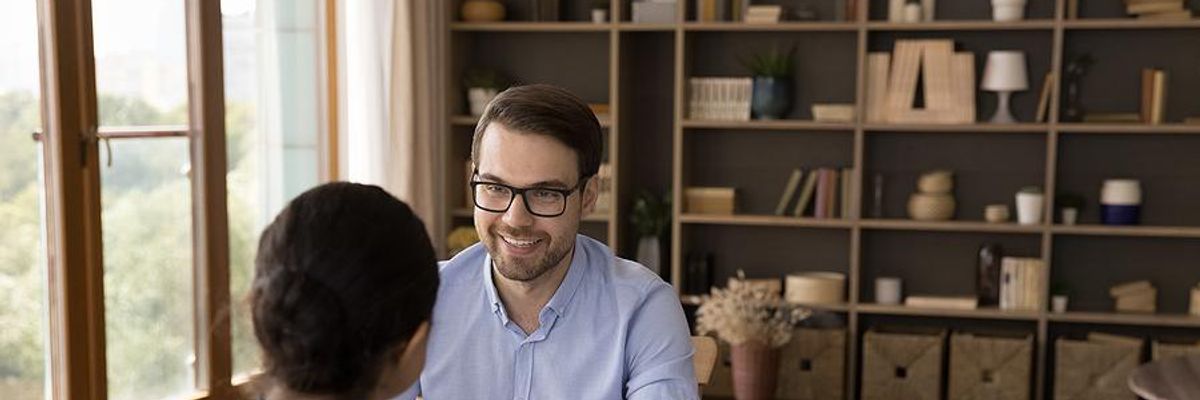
(1069, 206)
(756, 322)
(772, 71)
(482, 85)
(1029, 205)
(600, 11)
(1058, 296)
(651, 216)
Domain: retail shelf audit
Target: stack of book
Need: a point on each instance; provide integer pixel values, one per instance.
(720, 99)
(1154, 95)
(1021, 283)
(1139, 296)
(1158, 9)
(763, 14)
(825, 193)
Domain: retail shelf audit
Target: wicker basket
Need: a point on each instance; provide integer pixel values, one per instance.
(1170, 348)
(990, 367)
(812, 366)
(902, 366)
(1094, 369)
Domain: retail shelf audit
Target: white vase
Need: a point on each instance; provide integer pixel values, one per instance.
(1029, 208)
(1070, 215)
(1058, 303)
(599, 15)
(649, 253)
(478, 99)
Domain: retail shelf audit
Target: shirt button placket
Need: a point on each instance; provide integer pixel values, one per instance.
(524, 369)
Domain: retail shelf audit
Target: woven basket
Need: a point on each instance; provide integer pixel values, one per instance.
(989, 367)
(902, 366)
(1094, 370)
(1167, 349)
(812, 366)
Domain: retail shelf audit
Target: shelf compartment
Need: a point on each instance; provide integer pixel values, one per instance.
(767, 252)
(1112, 83)
(980, 313)
(1091, 265)
(1164, 164)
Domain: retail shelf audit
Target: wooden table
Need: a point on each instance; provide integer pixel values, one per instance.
(1175, 378)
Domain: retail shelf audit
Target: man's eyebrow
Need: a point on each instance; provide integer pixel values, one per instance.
(553, 183)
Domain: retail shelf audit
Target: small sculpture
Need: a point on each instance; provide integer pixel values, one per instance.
(1072, 74)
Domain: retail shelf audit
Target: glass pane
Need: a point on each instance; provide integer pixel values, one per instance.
(23, 353)
(141, 62)
(272, 98)
(148, 296)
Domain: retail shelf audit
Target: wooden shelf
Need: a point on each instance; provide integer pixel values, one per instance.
(1129, 23)
(949, 226)
(696, 300)
(469, 120)
(1128, 128)
(530, 27)
(646, 27)
(962, 25)
(764, 220)
(815, 26)
(1175, 320)
(955, 128)
(1140, 231)
(594, 217)
(981, 313)
(792, 125)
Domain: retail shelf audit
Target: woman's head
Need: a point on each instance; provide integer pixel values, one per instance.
(344, 285)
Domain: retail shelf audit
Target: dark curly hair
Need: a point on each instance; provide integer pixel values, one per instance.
(343, 275)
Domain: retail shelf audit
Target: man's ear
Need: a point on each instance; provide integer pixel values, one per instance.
(591, 191)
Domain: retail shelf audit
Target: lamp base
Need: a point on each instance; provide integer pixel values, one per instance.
(1003, 115)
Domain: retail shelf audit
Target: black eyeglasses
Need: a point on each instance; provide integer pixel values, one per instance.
(540, 201)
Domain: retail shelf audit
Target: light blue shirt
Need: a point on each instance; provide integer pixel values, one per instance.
(612, 330)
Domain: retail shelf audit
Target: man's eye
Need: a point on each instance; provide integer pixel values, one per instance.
(545, 194)
(495, 188)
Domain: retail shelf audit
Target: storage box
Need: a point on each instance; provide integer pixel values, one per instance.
(1095, 369)
(654, 12)
(812, 365)
(990, 366)
(710, 200)
(816, 288)
(833, 112)
(902, 365)
(1138, 302)
(1174, 348)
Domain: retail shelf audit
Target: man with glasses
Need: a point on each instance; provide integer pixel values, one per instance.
(537, 311)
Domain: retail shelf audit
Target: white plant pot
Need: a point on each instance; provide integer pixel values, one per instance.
(1058, 304)
(478, 99)
(1008, 10)
(648, 253)
(599, 16)
(1029, 208)
(888, 290)
(1070, 215)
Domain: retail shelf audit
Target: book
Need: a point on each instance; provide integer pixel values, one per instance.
(877, 82)
(1130, 288)
(1147, 94)
(1158, 105)
(1173, 15)
(1044, 99)
(831, 203)
(847, 187)
(763, 14)
(806, 194)
(789, 191)
(1154, 7)
(821, 209)
(944, 302)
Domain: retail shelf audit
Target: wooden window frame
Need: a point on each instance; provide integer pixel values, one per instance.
(72, 137)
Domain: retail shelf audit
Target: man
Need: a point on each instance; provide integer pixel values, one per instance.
(537, 311)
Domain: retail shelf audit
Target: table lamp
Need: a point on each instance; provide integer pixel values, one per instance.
(1004, 74)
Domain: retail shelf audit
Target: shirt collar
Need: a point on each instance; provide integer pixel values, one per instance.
(562, 297)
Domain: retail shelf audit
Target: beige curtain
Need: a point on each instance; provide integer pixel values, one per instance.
(416, 110)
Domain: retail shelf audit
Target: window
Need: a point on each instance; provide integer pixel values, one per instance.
(22, 258)
(273, 127)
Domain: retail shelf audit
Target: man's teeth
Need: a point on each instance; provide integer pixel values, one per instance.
(520, 243)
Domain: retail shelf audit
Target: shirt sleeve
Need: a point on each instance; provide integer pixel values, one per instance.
(659, 349)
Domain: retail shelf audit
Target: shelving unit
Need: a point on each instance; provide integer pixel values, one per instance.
(653, 144)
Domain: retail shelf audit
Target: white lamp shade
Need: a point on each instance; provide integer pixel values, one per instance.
(1005, 72)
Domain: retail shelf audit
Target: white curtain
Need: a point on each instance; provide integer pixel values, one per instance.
(392, 101)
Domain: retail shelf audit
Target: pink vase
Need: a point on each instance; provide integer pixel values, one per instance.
(755, 371)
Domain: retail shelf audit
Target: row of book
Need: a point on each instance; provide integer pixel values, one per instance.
(1158, 9)
(946, 77)
(720, 99)
(819, 193)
